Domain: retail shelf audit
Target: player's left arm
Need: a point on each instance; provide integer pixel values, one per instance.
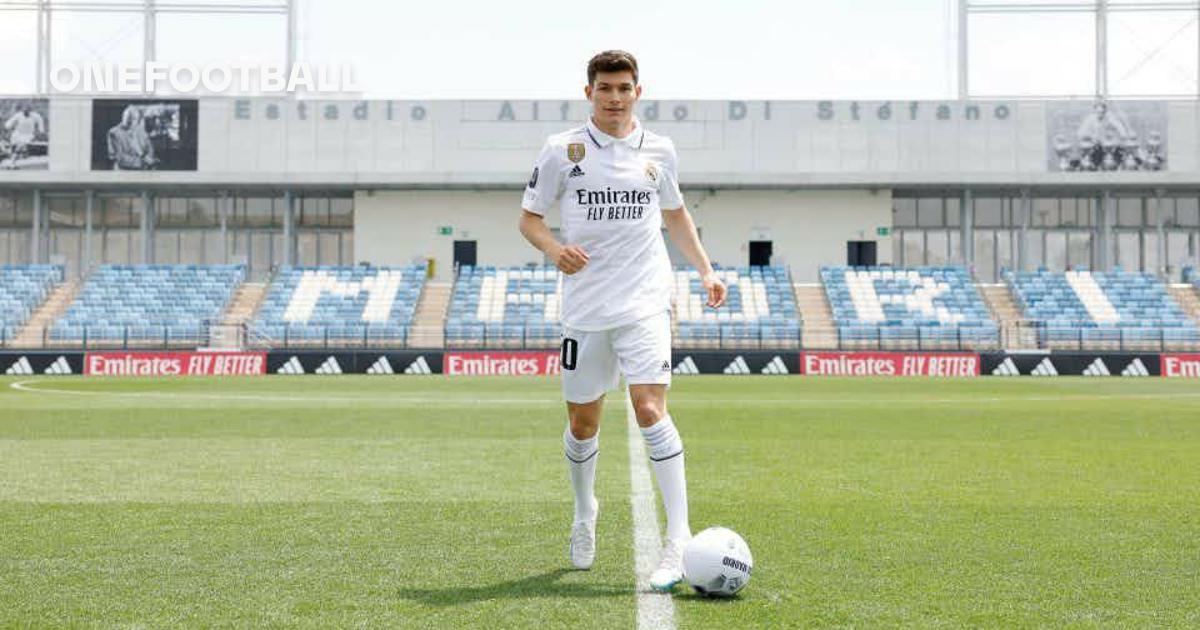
(682, 230)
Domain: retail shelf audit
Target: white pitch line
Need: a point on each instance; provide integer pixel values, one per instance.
(655, 610)
(26, 386)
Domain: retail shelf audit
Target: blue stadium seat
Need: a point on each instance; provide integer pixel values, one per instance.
(760, 309)
(22, 289)
(341, 306)
(505, 307)
(920, 307)
(1084, 308)
(149, 304)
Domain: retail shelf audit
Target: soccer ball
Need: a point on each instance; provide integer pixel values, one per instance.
(717, 562)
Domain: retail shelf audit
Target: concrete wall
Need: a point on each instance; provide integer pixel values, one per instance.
(814, 144)
(808, 228)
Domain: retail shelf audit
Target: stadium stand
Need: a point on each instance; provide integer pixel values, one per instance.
(504, 307)
(341, 306)
(760, 309)
(22, 289)
(1083, 308)
(148, 305)
(922, 307)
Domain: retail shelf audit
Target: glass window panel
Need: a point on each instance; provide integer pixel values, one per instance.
(66, 248)
(118, 247)
(1079, 250)
(118, 211)
(1056, 250)
(329, 244)
(8, 212)
(985, 252)
(166, 247)
(929, 212)
(1006, 252)
(341, 212)
(307, 248)
(1148, 254)
(935, 248)
(191, 247)
(260, 252)
(1129, 212)
(1036, 251)
(1187, 212)
(1128, 254)
(988, 212)
(214, 248)
(312, 211)
(904, 212)
(66, 211)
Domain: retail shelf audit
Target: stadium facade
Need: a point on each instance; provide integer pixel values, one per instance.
(989, 185)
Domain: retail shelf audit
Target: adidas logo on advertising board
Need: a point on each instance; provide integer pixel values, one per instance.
(686, 366)
(775, 366)
(418, 366)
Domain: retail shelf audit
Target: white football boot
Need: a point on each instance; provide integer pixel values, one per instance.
(583, 540)
(670, 567)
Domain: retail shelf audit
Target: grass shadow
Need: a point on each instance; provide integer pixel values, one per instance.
(547, 584)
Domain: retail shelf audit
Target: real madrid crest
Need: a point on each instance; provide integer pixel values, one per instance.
(652, 173)
(576, 151)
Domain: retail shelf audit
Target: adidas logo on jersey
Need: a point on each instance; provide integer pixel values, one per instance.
(686, 366)
(292, 366)
(419, 366)
(737, 366)
(1045, 368)
(1136, 368)
(382, 366)
(1006, 368)
(575, 172)
(330, 366)
(775, 366)
(1097, 368)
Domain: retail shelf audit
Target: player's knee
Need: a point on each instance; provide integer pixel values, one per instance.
(584, 428)
(584, 420)
(649, 412)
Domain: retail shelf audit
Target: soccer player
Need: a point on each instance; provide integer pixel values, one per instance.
(24, 127)
(615, 186)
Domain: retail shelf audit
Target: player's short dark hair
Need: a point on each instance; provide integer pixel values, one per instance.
(612, 61)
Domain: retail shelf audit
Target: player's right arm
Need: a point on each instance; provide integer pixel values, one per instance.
(546, 187)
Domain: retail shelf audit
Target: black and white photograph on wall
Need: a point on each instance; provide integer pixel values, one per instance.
(143, 135)
(1106, 135)
(24, 134)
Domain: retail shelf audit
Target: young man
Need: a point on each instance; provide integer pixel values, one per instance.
(24, 127)
(615, 185)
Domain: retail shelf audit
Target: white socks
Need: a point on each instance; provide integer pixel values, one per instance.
(581, 460)
(666, 454)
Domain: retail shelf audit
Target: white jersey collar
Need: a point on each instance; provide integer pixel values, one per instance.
(633, 140)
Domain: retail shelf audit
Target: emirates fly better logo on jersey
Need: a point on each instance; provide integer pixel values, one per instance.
(613, 205)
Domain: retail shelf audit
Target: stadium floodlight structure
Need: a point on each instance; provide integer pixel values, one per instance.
(1100, 8)
(150, 10)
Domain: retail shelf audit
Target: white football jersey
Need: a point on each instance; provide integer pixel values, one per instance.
(611, 192)
(24, 128)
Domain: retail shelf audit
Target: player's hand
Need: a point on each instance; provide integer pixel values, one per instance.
(715, 288)
(570, 258)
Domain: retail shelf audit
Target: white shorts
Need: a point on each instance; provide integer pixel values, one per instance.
(593, 361)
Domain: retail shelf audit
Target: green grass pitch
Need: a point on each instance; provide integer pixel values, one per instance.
(433, 502)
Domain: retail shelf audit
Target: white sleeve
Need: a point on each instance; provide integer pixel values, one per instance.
(545, 184)
(669, 195)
